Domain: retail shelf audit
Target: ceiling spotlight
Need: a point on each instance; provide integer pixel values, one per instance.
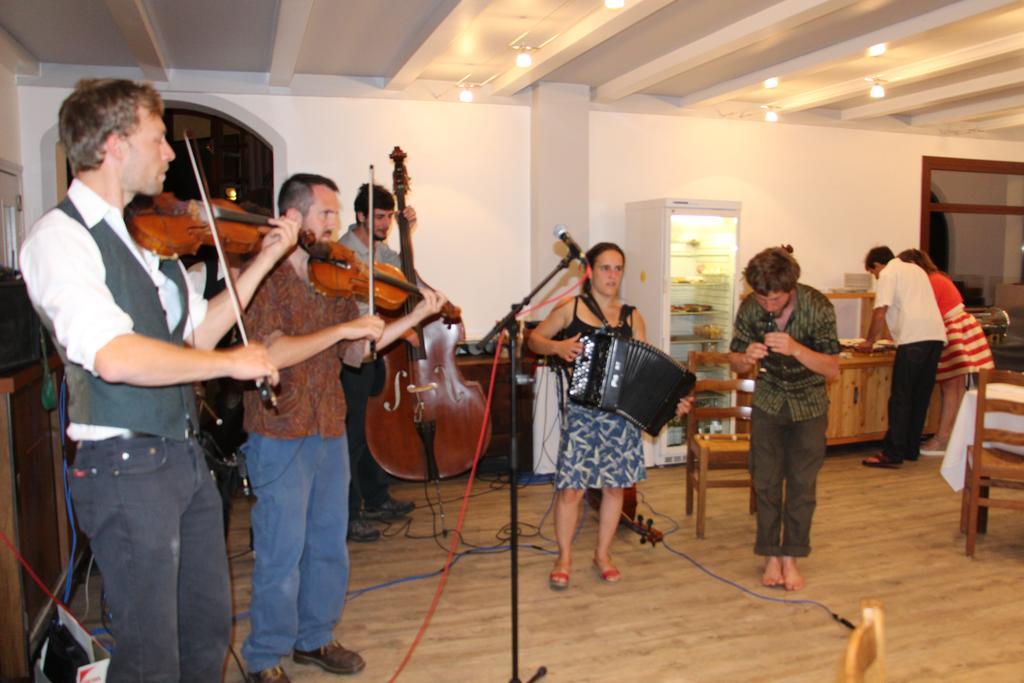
(523, 58)
(877, 90)
(877, 50)
(770, 114)
(772, 82)
(465, 94)
(614, 4)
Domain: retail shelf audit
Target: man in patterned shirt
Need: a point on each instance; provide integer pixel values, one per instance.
(790, 329)
(298, 454)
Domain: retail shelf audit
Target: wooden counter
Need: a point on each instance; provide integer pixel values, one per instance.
(31, 514)
(859, 399)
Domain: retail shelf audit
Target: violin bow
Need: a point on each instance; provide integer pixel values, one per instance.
(266, 394)
(371, 250)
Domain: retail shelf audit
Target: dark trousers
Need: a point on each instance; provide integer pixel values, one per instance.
(155, 524)
(785, 456)
(369, 483)
(913, 378)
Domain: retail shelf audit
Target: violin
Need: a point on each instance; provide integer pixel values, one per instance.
(170, 227)
(335, 271)
(629, 518)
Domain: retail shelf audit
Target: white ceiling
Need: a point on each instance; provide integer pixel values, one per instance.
(951, 67)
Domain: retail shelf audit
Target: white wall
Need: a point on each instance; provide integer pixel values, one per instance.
(469, 168)
(10, 144)
(831, 193)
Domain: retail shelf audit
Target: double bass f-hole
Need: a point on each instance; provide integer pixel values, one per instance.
(387, 405)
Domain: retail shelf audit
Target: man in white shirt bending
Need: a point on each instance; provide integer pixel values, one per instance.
(905, 302)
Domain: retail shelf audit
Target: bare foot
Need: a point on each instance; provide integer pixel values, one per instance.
(793, 579)
(772, 572)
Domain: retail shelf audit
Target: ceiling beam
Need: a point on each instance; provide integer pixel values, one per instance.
(138, 34)
(943, 16)
(1011, 121)
(933, 96)
(450, 20)
(595, 29)
(908, 73)
(17, 56)
(780, 17)
(292, 20)
(966, 112)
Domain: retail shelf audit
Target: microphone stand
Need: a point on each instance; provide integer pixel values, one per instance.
(509, 324)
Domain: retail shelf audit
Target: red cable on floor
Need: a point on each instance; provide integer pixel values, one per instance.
(42, 586)
(457, 535)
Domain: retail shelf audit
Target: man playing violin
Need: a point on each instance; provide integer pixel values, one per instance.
(369, 497)
(134, 336)
(298, 454)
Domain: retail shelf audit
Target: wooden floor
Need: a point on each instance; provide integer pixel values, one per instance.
(883, 534)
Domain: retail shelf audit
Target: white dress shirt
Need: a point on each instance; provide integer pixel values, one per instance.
(66, 280)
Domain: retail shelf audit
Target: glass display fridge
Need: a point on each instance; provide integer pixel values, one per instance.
(681, 275)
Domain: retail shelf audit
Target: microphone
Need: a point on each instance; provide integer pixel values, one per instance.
(574, 249)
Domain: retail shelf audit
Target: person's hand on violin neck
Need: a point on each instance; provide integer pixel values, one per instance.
(280, 241)
(430, 304)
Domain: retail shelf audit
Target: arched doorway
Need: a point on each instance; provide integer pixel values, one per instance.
(238, 163)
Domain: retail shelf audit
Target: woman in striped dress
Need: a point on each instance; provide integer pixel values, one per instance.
(966, 351)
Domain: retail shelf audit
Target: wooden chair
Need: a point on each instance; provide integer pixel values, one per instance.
(707, 452)
(991, 466)
(865, 651)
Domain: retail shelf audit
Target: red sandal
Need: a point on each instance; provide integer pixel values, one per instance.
(558, 580)
(880, 460)
(610, 575)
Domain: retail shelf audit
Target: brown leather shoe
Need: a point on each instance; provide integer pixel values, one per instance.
(274, 674)
(331, 657)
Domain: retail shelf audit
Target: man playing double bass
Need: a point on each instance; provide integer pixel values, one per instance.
(369, 498)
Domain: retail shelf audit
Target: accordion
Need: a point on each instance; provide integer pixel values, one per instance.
(641, 383)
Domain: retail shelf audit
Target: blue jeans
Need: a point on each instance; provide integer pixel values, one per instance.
(155, 524)
(299, 525)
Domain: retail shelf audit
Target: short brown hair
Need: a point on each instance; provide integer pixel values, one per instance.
(97, 108)
(772, 270)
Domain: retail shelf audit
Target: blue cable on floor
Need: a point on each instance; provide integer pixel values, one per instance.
(352, 595)
(738, 586)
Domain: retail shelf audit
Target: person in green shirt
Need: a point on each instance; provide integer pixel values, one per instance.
(789, 330)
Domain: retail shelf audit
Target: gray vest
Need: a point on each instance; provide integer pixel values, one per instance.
(164, 411)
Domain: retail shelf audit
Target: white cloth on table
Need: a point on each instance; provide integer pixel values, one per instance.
(963, 429)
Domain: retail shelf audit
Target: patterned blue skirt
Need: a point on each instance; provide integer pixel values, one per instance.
(598, 449)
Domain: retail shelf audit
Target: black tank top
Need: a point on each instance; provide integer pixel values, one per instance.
(576, 326)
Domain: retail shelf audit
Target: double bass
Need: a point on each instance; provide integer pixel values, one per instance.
(425, 424)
